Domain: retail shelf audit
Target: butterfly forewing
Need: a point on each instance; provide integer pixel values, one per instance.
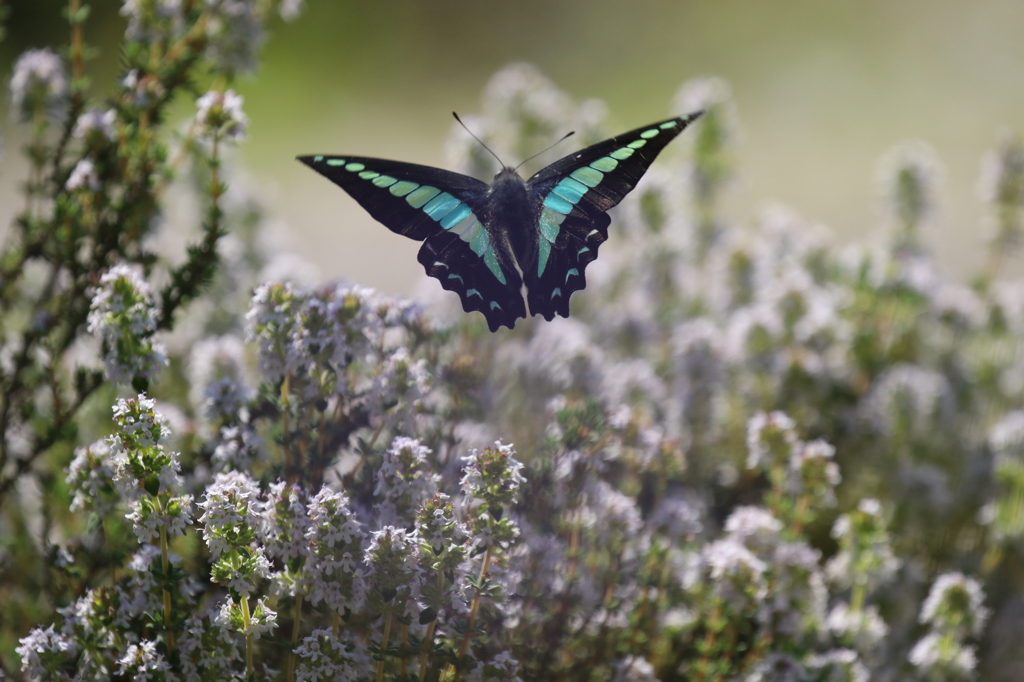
(467, 232)
(445, 211)
(574, 194)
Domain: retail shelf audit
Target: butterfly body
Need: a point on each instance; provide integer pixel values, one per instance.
(486, 241)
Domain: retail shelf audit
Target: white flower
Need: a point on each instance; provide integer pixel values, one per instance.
(955, 603)
(96, 123)
(38, 81)
(220, 116)
(83, 176)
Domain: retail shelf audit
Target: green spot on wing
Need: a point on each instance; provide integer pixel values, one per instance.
(605, 163)
(478, 240)
(622, 154)
(354, 167)
(333, 162)
(456, 215)
(648, 134)
(384, 181)
(422, 196)
(491, 260)
(543, 252)
(473, 292)
(557, 204)
(368, 175)
(588, 176)
(549, 224)
(402, 187)
(637, 144)
(465, 227)
(667, 124)
(441, 205)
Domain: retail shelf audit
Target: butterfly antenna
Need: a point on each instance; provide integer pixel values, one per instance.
(560, 141)
(500, 162)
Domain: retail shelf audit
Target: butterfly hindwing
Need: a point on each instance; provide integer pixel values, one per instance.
(444, 211)
(574, 194)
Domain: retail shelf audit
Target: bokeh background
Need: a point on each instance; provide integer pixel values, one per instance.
(822, 89)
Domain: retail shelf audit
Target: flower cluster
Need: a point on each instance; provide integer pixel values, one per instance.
(123, 316)
(747, 455)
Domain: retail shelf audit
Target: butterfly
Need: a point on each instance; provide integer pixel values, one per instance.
(485, 241)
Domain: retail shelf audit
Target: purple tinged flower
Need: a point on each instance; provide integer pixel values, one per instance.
(208, 648)
(125, 317)
(908, 176)
(771, 439)
(261, 620)
(83, 177)
(217, 376)
(322, 657)
(860, 629)
(404, 481)
(941, 658)
(392, 569)
(39, 83)
(43, 651)
(838, 665)
(634, 669)
(142, 663)
(284, 521)
(734, 575)
(235, 34)
(955, 604)
(96, 126)
(91, 477)
(231, 512)
(754, 527)
(336, 540)
(220, 117)
(149, 514)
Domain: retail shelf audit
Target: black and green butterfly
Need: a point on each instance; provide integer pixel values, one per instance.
(485, 241)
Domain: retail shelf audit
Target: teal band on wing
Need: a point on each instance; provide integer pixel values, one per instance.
(543, 252)
(570, 190)
(383, 181)
(491, 261)
(622, 154)
(478, 239)
(588, 176)
(421, 196)
(557, 204)
(474, 292)
(605, 164)
(456, 215)
(549, 224)
(571, 272)
(440, 206)
(402, 187)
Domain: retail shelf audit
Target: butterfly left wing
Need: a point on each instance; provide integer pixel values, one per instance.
(574, 195)
(441, 209)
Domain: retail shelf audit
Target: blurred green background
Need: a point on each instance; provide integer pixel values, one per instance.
(822, 86)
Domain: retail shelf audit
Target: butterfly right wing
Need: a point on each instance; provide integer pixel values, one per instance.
(442, 209)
